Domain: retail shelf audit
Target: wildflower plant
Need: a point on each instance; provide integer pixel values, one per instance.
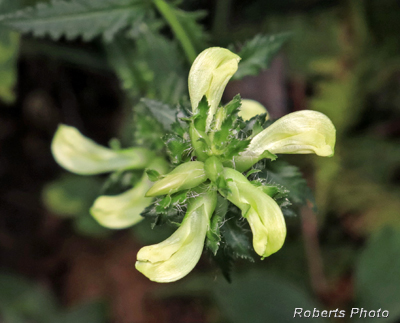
(220, 180)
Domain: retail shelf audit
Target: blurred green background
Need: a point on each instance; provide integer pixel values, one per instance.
(58, 265)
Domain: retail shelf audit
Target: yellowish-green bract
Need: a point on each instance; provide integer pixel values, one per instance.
(300, 132)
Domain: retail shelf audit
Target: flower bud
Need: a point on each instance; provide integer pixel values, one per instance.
(83, 156)
(208, 77)
(176, 256)
(183, 177)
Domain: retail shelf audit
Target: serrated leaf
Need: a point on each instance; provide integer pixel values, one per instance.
(236, 239)
(235, 147)
(233, 106)
(224, 261)
(85, 18)
(201, 115)
(178, 148)
(258, 53)
(193, 29)
(147, 131)
(162, 112)
(166, 72)
(213, 233)
(290, 177)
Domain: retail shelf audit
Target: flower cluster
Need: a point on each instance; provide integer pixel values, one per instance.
(212, 147)
(221, 146)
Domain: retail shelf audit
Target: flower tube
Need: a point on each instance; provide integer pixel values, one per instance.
(176, 256)
(208, 76)
(83, 156)
(123, 210)
(261, 211)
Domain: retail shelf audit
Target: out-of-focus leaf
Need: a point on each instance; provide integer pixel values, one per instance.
(9, 45)
(21, 300)
(162, 112)
(86, 225)
(258, 53)
(71, 195)
(260, 297)
(86, 18)
(194, 30)
(377, 275)
(165, 62)
(289, 176)
(88, 313)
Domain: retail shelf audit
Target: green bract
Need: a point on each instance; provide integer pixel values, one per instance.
(220, 145)
(83, 156)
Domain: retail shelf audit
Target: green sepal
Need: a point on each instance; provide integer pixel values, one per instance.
(153, 175)
(199, 142)
(235, 147)
(224, 131)
(213, 168)
(200, 117)
(213, 240)
(222, 186)
(178, 148)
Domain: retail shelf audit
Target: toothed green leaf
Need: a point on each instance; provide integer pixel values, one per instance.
(85, 18)
(286, 177)
(235, 147)
(178, 149)
(236, 240)
(201, 115)
(258, 53)
(213, 233)
(162, 112)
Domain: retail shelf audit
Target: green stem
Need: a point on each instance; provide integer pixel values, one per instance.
(169, 15)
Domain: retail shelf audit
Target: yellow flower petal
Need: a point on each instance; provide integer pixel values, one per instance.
(208, 76)
(261, 211)
(123, 210)
(301, 132)
(251, 108)
(81, 155)
(176, 256)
